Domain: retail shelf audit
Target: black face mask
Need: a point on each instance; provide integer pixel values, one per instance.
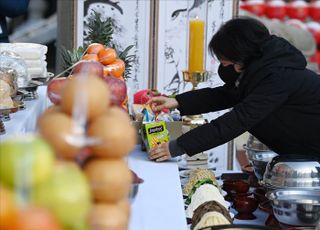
(228, 74)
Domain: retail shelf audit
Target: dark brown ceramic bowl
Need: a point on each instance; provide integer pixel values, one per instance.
(245, 207)
(238, 186)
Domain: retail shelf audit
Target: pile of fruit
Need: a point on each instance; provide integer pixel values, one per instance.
(100, 61)
(84, 127)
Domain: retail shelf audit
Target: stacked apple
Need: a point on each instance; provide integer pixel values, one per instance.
(100, 61)
(85, 119)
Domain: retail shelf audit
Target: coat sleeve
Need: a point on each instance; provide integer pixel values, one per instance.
(13, 8)
(206, 100)
(269, 95)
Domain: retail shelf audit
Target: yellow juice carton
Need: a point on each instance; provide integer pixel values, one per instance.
(154, 133)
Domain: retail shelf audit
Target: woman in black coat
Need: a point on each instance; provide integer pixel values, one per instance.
(267, 85)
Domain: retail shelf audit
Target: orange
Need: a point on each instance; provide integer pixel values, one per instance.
(90, 57)
(94, 48)
(115, 69)
(107, 56)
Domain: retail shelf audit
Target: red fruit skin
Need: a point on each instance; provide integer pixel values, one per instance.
(276, 9)
(298, 10)
(54, 89)
(118, 90)
(314, 10)
(88, 67)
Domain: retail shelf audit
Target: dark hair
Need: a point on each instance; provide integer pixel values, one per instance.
(239, 40)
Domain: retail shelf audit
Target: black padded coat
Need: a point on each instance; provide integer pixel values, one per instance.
(277, 100)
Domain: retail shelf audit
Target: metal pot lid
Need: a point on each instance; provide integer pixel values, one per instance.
(254, 144)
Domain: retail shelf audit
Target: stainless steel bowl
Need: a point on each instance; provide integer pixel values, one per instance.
(259, 160)
(296, 207)
(292, 171)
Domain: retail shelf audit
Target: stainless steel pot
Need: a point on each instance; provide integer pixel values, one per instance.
(292, 171)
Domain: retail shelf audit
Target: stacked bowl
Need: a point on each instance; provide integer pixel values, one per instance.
(293, 184)
(259, 155)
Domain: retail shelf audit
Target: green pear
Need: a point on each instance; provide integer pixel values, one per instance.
(25, 161)
(66, 194)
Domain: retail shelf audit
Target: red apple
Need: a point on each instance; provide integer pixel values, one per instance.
(276, 9)
(256, 7)
(118, 90)
(298, 9)
(88, 67)
(143, 96)
(314, 10)
(54, 89)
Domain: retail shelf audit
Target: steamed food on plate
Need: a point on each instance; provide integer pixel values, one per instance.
(197, 175)
(210, 213)
(204, 193)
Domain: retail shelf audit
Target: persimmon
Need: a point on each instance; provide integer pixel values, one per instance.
(90, 57)
(8, 209)
(115, 69)
(107, 56)
(35, 218)
(94, 48)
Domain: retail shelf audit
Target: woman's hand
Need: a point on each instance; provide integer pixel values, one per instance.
(159, 103)
(160, 152)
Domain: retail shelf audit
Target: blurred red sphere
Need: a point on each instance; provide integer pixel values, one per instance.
(276, 9)
(316, 57)
(298, 9)
(256, 7)
(314, 10)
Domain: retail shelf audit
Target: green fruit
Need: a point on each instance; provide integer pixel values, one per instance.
(25, 159)
(66, 194)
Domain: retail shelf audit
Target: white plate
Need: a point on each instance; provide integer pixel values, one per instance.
(186, 173)
(183, 165)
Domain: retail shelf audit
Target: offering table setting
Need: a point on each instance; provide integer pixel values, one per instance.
(159, 202)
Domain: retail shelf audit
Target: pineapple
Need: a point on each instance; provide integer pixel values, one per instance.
(70, 57)
(99, 31)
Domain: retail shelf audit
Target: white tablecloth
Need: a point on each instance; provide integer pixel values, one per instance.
(25, 121)
(159, 202)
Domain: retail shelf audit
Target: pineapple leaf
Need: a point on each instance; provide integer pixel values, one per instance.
(99, 31)
(128, 60)
(70, 57)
